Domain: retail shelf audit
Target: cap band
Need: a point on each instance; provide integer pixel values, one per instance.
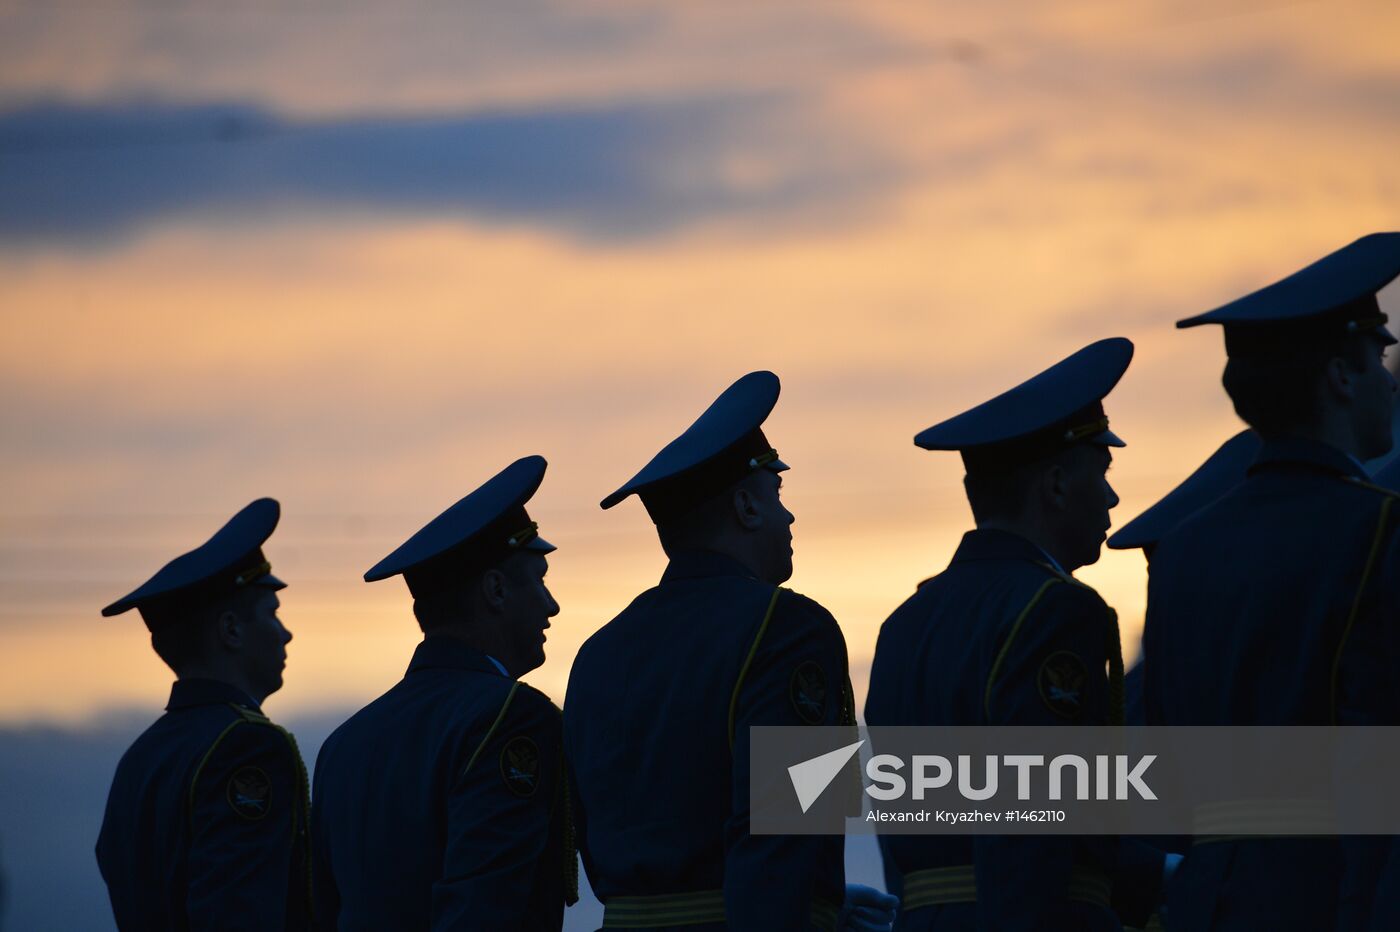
(763, 459)
(1086, 430)
(523, 536)
(1367, 323)
(1255, 339)
(254, 572)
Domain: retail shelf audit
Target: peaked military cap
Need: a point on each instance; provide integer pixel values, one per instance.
(1222, 471)
(1059, 407)
(1334, 296)
(475, 534)
(724, 444)
(228, 561)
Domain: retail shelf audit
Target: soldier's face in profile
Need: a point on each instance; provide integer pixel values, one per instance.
(1375, 399)
(532, 606)
(265, 641)
(776, 526)
(1088, 499)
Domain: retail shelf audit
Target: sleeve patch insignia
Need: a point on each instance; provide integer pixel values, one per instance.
(807, 690)
(250, 794)
(1061, 681)
(520, 766)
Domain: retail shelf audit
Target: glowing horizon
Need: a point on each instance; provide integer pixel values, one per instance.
(360, 259)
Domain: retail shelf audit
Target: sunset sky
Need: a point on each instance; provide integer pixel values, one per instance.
(359, 257)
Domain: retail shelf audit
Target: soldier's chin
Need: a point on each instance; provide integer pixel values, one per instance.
(535, 658)
(783, 571)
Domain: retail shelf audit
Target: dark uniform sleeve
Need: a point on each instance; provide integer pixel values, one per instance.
(246, 806)
(324, 892)
(1050, 672)
(798, 676)
(1366, 694)
(501, 866)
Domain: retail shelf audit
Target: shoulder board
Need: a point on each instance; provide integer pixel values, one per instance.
(249, 716)
(528, 690)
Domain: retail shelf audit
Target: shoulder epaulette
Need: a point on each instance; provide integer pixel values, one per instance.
(250, 716)
(532, 691)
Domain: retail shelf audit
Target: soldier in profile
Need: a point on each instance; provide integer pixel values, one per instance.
(206, 821)
(1275, 605)
(441, 804)
(1007, 636)
(661, 699)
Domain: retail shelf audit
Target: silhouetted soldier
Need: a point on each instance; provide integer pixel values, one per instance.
(441, 804)
(1275, 604)
(1006, 636)
(1222, 471)
(206, 821)
(661, 699)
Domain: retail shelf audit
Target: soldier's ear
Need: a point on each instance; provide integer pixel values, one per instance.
(746, 509)
(1339, 378)
(493, 588)
(1052, 484)
(228, 628)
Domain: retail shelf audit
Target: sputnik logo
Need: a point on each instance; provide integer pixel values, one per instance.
(811, 777)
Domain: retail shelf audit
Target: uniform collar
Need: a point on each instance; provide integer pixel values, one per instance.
(447, 653)
(194, 692)
(988, 544)
(1311, 454)
(697, 564)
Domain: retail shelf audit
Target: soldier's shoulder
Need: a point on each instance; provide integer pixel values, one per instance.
(532, 703)
(1064, 592)
(249, 730)
(802, 609)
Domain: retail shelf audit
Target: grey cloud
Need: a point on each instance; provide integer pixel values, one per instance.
(89, 173)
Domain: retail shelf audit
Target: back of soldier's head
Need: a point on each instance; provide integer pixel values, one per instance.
(1283, 391)
(186, 635)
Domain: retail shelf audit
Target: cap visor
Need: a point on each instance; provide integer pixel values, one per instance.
(1107, 438)
(540, 545)
(776, 466)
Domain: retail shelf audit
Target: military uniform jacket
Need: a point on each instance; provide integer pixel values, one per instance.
(440, 805)
(1277, 605)
(1002, 637)
(656, 724)
(206, 821)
